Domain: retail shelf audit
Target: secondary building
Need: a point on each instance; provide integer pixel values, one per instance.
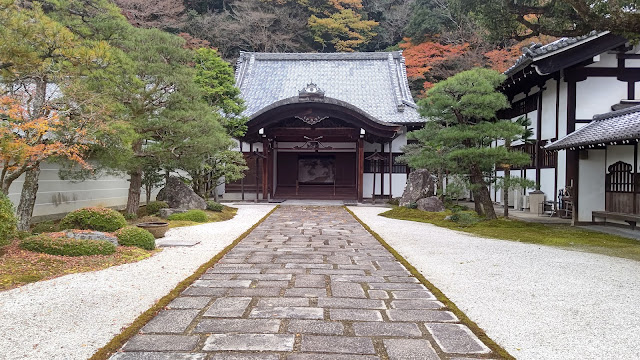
(560, 87)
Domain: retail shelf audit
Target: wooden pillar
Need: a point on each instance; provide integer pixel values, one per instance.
(390, 170)
(381, 162)
(360, 174)
(265, 168)
(635, 177)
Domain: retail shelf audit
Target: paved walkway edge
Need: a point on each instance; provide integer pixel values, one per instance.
(119, 340)
(441, 296)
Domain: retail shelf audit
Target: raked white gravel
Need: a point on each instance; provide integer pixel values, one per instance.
(73, 316)
(537, 302)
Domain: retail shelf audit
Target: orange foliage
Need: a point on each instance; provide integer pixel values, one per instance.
(346, 4)
(25, 142)
(503, 58)
(420, 58)
(193, 43)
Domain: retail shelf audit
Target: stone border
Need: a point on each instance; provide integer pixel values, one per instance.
(497, 349)
(119, 340)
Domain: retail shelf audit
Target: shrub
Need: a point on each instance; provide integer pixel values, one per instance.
(8, 220)
(191, 215)
(94, 218)
(135, 236)
(45, 226)
(154, 206)
(214, 206)
(412, 205)
(45, 243)
(465, 218)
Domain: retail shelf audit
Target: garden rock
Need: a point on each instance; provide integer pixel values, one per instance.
(165, 213)
(91, 235)
(420, 184)
(180, 196)
(432, 203)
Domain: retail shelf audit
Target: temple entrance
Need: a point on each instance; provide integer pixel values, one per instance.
(310, 147)
(324, 175)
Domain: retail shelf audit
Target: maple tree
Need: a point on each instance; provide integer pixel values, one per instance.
(25, 141)
(42, 66)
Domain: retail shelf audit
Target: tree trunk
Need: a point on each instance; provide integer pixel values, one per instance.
(216, 197)
(135, 186)
(476, 202)
(505, 191)
(147, 190)
(481, 193)
(440, 186)
(28, 198)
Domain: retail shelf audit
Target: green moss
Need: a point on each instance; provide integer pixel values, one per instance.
(154, 207)
(94, 218)
(191, 215)
(214, 206)
(135, 236)
(43, 227)
(65, 246)
(7, 220)
(559, 235)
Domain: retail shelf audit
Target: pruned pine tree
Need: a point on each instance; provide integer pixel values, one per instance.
(464, 107)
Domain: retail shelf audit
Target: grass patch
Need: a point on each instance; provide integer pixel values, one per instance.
(558, 235)
(227, 213)
(497, 349)
(119, 340)
(19, 267)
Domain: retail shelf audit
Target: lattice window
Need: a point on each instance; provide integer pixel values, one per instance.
(620, 178)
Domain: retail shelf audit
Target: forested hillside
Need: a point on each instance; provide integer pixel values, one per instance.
(439, 37)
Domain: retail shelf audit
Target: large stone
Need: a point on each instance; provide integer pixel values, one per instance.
(430, 204)
(420, 184)
(91, 235)
(178, 195)
(165, 213)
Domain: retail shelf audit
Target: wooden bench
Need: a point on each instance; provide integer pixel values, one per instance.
(631, 219)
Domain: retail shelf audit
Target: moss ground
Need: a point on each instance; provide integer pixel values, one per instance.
(559, 235)
(19, 267)
(227, 213)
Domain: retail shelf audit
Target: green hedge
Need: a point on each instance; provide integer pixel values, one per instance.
(214, 206)
(65, 246)
(155, 206)
(135, 236)
(8, 220)
(191, 215)
(94, 218)
(44, 227)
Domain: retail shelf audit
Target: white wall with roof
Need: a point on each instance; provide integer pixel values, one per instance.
(595, 95)
(56, 197)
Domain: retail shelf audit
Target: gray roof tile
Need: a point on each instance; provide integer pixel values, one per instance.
(537, 50)
(616, 126)
(374, 82)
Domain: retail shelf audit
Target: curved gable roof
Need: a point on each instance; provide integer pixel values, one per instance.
(376, 83)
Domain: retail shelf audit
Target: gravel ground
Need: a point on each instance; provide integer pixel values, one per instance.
(73, 316)
(537, 302)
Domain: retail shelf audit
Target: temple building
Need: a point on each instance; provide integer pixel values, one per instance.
(323, 126)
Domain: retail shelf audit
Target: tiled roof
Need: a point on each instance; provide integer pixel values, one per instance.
(374, 82)
(616, 127)
(536, 50)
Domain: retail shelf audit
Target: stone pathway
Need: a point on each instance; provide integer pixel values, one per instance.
(309, 283)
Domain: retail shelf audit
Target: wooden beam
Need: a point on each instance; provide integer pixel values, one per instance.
(390, 170)
(265, 168)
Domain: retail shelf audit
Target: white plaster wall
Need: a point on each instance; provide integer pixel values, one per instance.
(562, 168)
(398, 142)
(562, 113)
(547, 183)
(548, 130)
(581, 125)
(369, 147)
(632, 63)
(595, 95)
(592, 181)
(398, 183)
(605, 61)
(617, 153)
(56, 196)
(533, 117)
(637, 87)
